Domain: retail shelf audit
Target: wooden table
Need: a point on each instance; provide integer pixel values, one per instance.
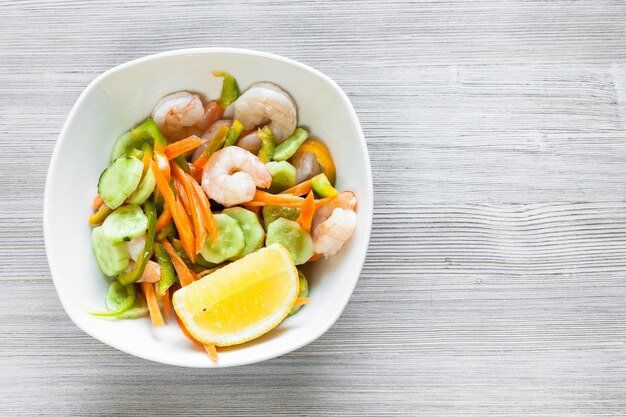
(495, 282)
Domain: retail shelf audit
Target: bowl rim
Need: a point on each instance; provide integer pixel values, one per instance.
(367, 216)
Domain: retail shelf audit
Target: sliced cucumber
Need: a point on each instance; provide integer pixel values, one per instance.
(125, 223)
(271, 213)
(144, 189)
(303, 292)
(290, 145)
(253, 232)
(119, 180)
(140, 309)
(283, 176)
(230, 240)
(122, 146)
(112, 258)
(322, 187)
(289, 234)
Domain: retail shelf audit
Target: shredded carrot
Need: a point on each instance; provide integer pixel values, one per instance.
(185, 275)
(254, 204)
(189, 240)
(153, 304)
(196, 174)
(178, 214)
(97, 202)
(299, 189)
(145, 159)
(200, 229)
(208, 271)
(182, 195)
(164, 219)
(315, 257)
(186, 332)
(301, 301)
(182, 146)
(285, 200)
(306, 214)
(205, 210)
(210, 349)
(321, 202)
(166, 304)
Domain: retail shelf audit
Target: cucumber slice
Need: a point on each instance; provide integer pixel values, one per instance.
(122, 146)
(230, 240)
(253, 232)
(290, 145)
(112, 258)
(125, 223)
(322, 187)
(140, 309)
(144, 189)
(271, 213)
(289, 234)
(119, 180)
(303, 292)
(283, 176)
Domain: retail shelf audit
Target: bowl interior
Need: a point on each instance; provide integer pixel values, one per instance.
(122, 98)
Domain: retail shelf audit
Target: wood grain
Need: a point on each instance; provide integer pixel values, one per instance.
(495, 282)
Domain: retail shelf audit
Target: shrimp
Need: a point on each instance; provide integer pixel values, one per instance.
(232, 175)
(251, 142)
(306, 166)
(263, 102)
(208, 135)
(177, 111)
(334, 223)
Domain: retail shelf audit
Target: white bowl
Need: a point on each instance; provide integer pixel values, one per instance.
(123, 97)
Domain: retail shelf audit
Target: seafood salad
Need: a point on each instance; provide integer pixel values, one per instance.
(207, 210)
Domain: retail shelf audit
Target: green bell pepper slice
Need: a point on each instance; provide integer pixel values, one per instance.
(168, 275)
(230, 89)
(233, 133)
(267, 144)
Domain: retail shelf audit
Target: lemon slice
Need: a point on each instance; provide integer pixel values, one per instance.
(242, 300)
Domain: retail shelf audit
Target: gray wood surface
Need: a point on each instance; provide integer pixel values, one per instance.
(495, 282)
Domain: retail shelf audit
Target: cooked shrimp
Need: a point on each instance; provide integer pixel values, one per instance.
(135, 246)
(306, 166)
(334, 223)
(174, 112)
(232, 175)
(151, 273)
(208, 135)
(250, 142)
(264, 102)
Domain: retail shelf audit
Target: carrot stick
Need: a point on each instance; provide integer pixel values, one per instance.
(182, 195)
(153, 304)
(205, 210)
(166, 304)
(299, 189)
(306, 215)
(210, 349)
(315, 257)
(145, 159)
(164, 219)
(186, 332)
(187, 239)
(200, 230)
(254, 204)
(319, 203)
(301, 301)
(185, 276)
(97, 202)
(196, 174)
(285, 200)
(180, 217)
(182, 146)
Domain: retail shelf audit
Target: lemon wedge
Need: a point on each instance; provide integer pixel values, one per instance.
(242, 300)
